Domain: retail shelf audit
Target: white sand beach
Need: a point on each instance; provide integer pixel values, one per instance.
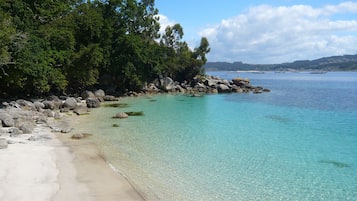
(55, 167)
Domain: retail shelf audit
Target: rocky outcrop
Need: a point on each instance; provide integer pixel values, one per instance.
(203, 84)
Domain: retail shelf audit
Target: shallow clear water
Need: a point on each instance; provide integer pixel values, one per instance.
(298, 142)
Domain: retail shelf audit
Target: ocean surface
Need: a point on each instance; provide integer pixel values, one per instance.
(298, 142)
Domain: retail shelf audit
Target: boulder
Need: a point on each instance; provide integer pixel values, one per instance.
(167, 84)
(26, 105)
(222, 88)
(49, 105)
(7, 120)
(26, 127)
(110, 98)
(81, 110)
(70, 103)
(93, 103)
(121, 115)
(38, 105)
(87, 94)
(3, 143)
(99, 93)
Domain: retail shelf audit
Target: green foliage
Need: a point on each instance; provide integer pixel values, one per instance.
(51, 46)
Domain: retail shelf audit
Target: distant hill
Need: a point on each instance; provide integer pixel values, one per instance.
(334, 63)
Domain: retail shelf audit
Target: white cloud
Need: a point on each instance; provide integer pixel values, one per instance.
(164, 22)
(266, 34)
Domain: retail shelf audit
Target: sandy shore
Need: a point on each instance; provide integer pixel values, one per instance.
(56, 167)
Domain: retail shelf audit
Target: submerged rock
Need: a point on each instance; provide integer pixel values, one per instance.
(121, 115)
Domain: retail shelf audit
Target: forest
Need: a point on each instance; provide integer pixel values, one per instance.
(66, 46)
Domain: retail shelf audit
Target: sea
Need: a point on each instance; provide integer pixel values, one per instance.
(297, 142)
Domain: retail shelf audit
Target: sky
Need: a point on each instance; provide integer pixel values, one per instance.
(265, 32)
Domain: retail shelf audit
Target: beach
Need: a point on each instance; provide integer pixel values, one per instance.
(45, 166)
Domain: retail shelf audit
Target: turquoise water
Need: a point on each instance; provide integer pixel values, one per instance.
(298, 142)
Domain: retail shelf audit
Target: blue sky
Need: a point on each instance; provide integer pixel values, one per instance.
(266, 31)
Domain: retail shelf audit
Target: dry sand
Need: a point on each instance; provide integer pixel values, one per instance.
(56, 167)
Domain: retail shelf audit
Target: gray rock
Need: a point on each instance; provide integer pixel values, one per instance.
(70, 103)
(222, 88)
(48, 113)
(57, 115)
(7, 120)
(49, 105)
(110, 98)
(26, 105)
(14, 132)
(26, 127)
(99, 93)
(93, 103)
(66, 130)
(80, 110)
(3, 143)
(41, 119)
(32, 138)
(65, 109)
(167, 84)
(87, 94)
(121, 115)
(77, 136)
(39, 105)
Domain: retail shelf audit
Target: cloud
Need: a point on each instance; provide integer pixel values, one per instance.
(267, 34)
(164, 22)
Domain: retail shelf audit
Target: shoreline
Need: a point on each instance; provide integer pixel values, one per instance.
(46, 166)
(103, 182)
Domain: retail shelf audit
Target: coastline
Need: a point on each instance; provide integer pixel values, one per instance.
(95, 173)
(52, 166)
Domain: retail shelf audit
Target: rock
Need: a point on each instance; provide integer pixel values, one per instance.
(26, 127)
(38, 105)
(110, 98)
(14, 132)
(167, 84)
(41, 119)
(32, 138)
(7, 120)
(93, 103)
(48, 105)
(66, 130)
(121, 115)
(99, 93)
(81, 110)
(65, 109)
(26, 105)
(222, 88)
(48, 113)
(87, 94)
(70, 103)
(57, 115)
(3, 143)
(237, 89)
(77, 136)
(266, 90)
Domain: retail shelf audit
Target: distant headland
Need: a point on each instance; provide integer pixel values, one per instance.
(333, 63)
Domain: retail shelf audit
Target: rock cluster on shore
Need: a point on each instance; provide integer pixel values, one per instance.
(202, 84)
(21, 116)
